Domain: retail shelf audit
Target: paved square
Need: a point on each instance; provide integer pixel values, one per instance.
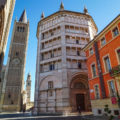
(28, 116)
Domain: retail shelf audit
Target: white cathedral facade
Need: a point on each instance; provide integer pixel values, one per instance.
(61, 71)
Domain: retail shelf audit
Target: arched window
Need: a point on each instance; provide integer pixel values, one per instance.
(50, 84)
(79, 85)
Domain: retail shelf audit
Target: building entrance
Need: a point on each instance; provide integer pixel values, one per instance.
(80, 101)
(79, 93)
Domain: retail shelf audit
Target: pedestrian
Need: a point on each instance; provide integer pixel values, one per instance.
(23, 110)
(79, 109)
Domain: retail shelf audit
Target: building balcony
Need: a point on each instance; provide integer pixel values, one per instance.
(74, 57)
(115, 71)
(51, 37)
(75, 45)
(50, 48)
(51, 60)
(77, 34)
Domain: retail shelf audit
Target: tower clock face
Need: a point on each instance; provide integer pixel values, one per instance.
(16, 61)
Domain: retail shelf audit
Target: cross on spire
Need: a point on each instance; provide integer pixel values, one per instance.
(43, 15)
(85, 10)
(61, 6)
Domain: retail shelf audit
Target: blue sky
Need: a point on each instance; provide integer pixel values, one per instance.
(102, 11)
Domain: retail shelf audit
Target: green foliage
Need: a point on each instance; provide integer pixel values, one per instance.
(111, 117)
(106, 109)
(118, 99)
(108, 112)
(106, 106)
(118, 96)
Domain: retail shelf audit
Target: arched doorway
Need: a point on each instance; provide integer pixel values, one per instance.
(79, 93)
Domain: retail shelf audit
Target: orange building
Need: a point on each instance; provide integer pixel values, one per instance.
(103, 62)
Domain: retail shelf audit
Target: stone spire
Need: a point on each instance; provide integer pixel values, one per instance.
(43, 15)
(28, 87)
(23, 17)
(29, 76)
(85, 10)
(61, 6)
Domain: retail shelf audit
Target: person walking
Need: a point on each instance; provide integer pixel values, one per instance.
(79, 109)
(24, 111)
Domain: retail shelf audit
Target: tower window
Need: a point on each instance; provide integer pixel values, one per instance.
(23, 29)
(18, 29)
(28, 84)
(17, 53)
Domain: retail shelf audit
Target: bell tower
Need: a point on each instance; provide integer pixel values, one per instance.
(13, 85)
(28, 87)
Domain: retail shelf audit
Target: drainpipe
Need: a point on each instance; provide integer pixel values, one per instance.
(102, 85)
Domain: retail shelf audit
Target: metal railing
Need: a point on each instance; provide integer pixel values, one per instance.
(115, 71)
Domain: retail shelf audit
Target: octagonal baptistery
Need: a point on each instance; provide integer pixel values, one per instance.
(61, 72)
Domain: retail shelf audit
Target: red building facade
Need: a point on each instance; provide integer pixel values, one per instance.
(103, 60)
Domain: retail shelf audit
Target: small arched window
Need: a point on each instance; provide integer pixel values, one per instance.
(17, 54)
(50, 84)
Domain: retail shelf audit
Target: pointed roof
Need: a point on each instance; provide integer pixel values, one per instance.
(85, 10)
(23, 17)
(42, 15)
(61, 6)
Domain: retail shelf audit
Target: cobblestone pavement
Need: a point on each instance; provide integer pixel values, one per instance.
(28, 116)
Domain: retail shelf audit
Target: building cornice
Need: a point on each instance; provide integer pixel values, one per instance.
(96, 38)
(63, 12)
